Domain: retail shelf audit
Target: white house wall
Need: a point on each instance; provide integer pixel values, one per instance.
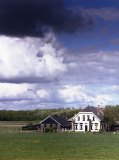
(82, 125)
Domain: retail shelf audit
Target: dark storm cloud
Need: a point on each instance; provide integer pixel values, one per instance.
(37, 17)
(14, 99)
(29, 80)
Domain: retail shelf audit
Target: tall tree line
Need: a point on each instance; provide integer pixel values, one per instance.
(32, 115)
(111, 114)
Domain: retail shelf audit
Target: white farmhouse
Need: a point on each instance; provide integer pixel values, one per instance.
(88, 119)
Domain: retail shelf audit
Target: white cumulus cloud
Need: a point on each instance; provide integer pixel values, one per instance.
(19, 58)
(83, 95)
(73, 93)
(15, 91)
(42, 93)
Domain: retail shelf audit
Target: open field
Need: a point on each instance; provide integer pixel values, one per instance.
(13, 126)
(59, 146)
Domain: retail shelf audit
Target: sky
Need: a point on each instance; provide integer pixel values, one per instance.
(58, 53)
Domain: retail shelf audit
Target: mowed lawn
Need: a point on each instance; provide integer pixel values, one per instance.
(59, 146)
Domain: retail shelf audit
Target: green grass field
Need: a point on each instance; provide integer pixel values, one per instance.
(59, 146)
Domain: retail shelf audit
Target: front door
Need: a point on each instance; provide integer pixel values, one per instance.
(86, 128)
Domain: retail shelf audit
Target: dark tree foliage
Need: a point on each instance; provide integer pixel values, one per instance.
(111, 114)
(32, 115)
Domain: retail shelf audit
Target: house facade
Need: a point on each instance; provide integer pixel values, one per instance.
(88, 119)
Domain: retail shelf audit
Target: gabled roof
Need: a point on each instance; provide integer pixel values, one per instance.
(99, 112)
(49, 120)
(61, 120)
(57, 119)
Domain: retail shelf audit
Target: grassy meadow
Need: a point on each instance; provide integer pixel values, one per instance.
(59, 146)
(11, 126)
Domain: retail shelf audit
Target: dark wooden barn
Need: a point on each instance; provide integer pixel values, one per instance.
(54, 123)
(115, 126)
